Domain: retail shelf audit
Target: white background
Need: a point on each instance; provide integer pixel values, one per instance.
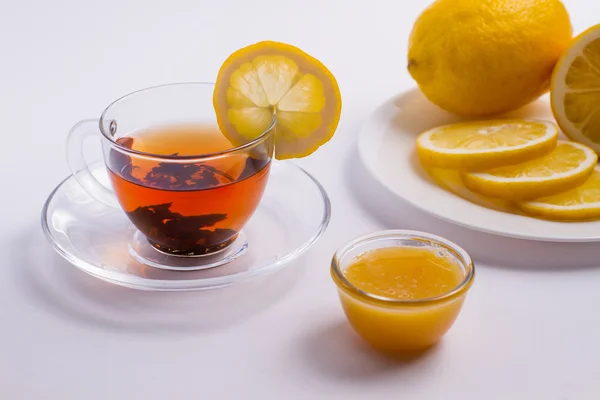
(529, 330)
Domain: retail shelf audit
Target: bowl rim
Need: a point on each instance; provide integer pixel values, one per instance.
(347, 287)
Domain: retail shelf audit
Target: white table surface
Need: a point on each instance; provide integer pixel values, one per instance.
(529, 330)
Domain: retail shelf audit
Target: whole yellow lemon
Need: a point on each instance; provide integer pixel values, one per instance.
(484, 57)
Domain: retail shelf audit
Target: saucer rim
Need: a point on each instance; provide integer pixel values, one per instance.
(189, 285)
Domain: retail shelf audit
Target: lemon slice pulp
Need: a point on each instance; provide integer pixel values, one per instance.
(486, 144)
(579, 204)
(566, 167)
(271, 78)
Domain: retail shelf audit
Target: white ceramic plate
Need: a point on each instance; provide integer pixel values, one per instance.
(387, 149)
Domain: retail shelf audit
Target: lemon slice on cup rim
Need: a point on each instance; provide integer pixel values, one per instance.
(268, 78)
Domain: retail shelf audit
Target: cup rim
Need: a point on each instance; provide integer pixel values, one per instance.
(345, 285)
(235, 149)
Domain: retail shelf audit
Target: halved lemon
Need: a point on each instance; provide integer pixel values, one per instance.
(579, 204)
(486, 144)
(566, 167)
(269, 78)
(575, 89)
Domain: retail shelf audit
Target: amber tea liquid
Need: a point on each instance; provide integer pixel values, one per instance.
(187, 207)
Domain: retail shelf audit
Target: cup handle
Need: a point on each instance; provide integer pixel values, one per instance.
(79, 166)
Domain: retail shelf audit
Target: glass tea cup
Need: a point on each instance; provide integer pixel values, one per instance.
(182, 184)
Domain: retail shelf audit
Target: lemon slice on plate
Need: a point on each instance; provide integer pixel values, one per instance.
(579, 204)
(486, 144)
(575, 90)
(566, 167)
(450, 180)
(269, 78)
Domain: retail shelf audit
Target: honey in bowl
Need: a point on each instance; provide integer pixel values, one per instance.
(400, 290)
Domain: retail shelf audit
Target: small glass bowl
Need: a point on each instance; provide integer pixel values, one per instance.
(393, 325)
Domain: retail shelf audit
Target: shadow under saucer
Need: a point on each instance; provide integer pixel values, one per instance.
(56, 286)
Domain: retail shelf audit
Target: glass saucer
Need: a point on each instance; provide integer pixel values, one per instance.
(100, 240)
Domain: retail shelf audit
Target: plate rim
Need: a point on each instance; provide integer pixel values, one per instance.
(376, 121)
(208, 283)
